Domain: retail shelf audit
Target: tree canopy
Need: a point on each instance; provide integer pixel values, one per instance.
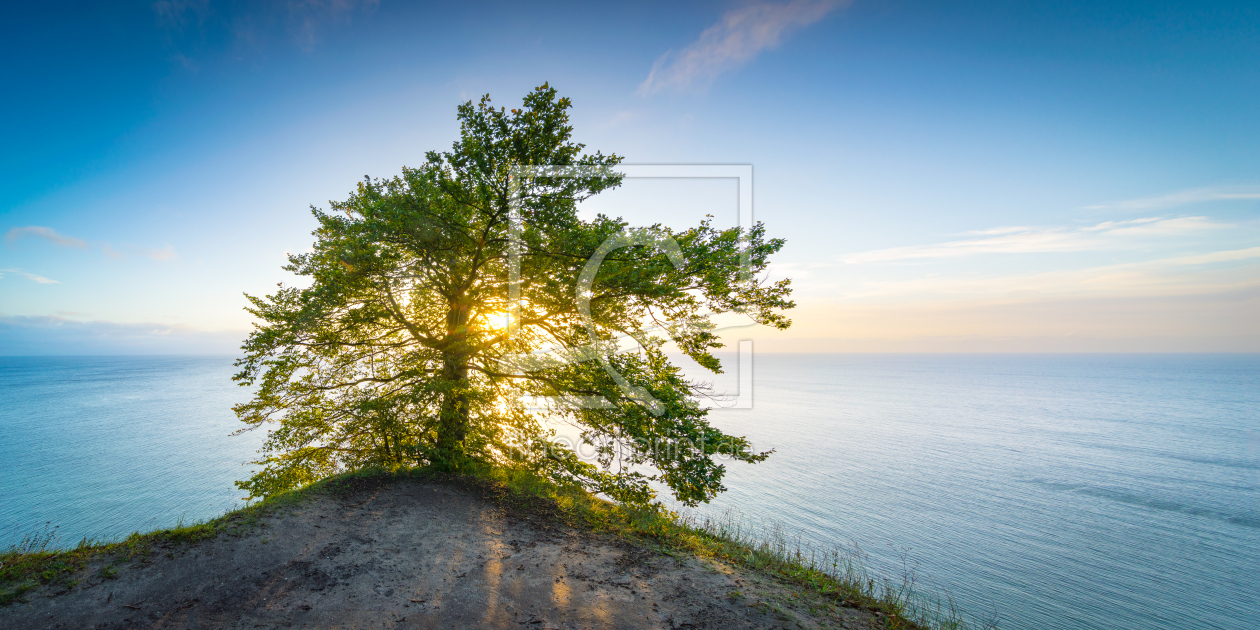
(458, 309)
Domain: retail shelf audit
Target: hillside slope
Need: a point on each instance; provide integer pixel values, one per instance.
(402, 553)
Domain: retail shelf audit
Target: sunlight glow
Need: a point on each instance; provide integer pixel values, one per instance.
(495, 321)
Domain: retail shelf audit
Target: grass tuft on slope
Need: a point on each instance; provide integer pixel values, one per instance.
(838, 575)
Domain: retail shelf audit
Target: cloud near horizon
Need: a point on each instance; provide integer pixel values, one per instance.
(1077, 323)
(1165, 277)
(53, 335)
(1026, 240)
(45, 233)
(29, 276)
(1206, 302)
(736, 38)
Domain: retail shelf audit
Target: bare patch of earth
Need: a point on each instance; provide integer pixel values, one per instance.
(411, 553)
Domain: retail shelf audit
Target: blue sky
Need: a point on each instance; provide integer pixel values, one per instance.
(983, 176)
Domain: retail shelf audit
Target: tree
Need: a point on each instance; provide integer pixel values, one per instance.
(417, 342)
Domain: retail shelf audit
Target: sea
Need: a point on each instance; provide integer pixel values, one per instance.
(1038, 491)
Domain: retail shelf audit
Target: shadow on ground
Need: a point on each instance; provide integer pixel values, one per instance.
(409, 553)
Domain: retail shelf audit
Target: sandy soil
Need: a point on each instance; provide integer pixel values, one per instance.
(407, 554)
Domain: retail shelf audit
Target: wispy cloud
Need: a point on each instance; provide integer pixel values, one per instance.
(1111, 225)
(1215, 257)
(54, 335)
(29, 276)
(1163, 227)
(166, 253)
(622, 117)
(1000, 230)
(1181, 198)
(733, 41)
(110, 252)
(1040, 240)
(1181, 275)
(189, 24)
(307, 18)
(46, 233)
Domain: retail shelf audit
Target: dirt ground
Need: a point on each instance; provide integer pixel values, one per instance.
(413, 554)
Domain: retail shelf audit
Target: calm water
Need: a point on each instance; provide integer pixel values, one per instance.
(1060, 491)
(105, 446)
(1063, 491)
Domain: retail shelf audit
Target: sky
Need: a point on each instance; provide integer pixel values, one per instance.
(949, 176)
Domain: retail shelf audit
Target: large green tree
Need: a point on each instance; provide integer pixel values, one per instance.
(455, 311)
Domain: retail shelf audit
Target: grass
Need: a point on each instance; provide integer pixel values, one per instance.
(837, 576)
(38, 561)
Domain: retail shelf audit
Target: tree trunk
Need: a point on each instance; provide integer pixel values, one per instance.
(453, 421)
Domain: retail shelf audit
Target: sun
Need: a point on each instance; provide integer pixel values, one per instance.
(496, 321)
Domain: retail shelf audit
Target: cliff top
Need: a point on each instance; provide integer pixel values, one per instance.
(398, 552)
